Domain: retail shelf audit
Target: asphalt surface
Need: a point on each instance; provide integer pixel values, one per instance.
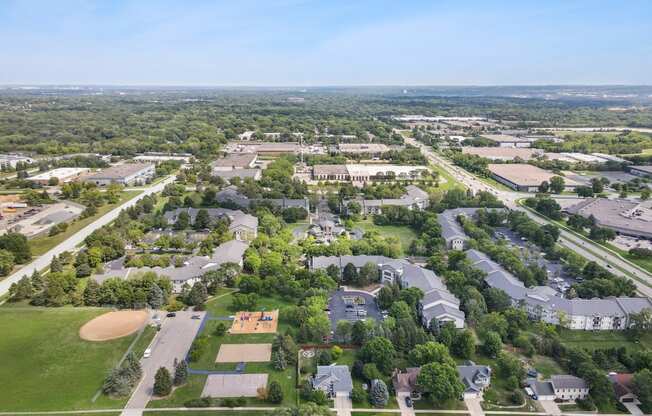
(592, 252)
(339, 311)
(172, 341)
(42, 262)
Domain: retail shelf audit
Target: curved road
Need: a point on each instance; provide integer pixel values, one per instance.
(605, 258)
(43, 261)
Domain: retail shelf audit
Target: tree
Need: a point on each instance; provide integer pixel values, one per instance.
(428, 353)
(379, 395)
(584, 191)
(21, 290)
(91, 294)
(83, 270)
(597, 186)
(278, 360)
(18, 245)
(557, 184)
(440, 381)
(181, 373)
(155, 297)
(642, 386)
(496, 299)
(55, 265)
(463, 344)
(183, 221)
(645, 194)
(359, 333)
(275, 392)
(492, 344)
(162, 382)
(544, 187)
(6, 262)
(197, 295)
(343, 331)
(220, 329)
(379, 351)
(202, 220)
(350, 274)
(601, 234)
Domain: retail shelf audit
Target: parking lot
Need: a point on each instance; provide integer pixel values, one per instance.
(558, 279)
(352, 305)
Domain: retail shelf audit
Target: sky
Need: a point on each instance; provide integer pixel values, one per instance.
(330, 42)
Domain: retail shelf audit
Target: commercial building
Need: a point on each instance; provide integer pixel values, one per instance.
(438, 304)
(505, 140)
(124, 174)
(640, 170)
(235, 161)
(155, 157)
(543, 303)
(64, 175)
(9, 161)
(192, 270)
(227, 175)
(621, 215)
(414, 199)
(243, 226)
(503, 153)
(523, 177)
(373, 149)
(366, 172)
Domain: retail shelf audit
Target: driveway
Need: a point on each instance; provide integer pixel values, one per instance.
(633, 409)
(343, 405)
(550, 407)
(172, 341)
(473, 406)
(400, 399)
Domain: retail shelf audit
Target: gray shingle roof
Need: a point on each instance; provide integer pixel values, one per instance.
(566, 381)
(335, 378)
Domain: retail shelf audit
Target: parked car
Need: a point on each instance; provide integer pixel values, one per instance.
(147, 353)
(195, 317)
(171, 314)
(408, 401)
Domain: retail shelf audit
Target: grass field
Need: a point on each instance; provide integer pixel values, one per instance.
(46, 366)
(405, 234)
(220, 307)
(603, 339)
(203, 413)
(645, 263)
(41, 245)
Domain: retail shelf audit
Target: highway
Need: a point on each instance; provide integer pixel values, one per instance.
(593, 252)
(70, 244)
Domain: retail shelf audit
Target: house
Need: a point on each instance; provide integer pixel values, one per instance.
(326, 230)
(124, 174)
(406, 382)
(334, 380)
(438, 304)
(560, 387)
(414, 199)
(231, 196)
(476, 378)
(243, 226)
(622, 384)
(8, 161)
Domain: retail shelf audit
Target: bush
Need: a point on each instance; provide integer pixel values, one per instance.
(203, 402)
(516, 397)
(275, 392)
(586, 404)
(336, 352)
(220, 329)
(358, 395)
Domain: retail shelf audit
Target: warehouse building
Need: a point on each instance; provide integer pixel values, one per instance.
(503, 153)
(366, 172)
(523, 177)
(505, 140)
(9, 161)
(125, 174)
(63, 175)
(621, 215)
(644, 171)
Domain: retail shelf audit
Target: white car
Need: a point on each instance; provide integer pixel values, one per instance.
(147, 353)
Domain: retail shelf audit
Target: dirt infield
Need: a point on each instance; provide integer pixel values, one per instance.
(246, 353)
(255, 323)
(233, 385)
(113, 325)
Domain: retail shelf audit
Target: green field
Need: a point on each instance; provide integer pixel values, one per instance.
(603, 339)
(192, 390)
(41, 245)
(46, 366)
(405, 234)
(204, 413)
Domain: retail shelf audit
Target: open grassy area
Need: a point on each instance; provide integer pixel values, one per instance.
(193, 390)
(546, 366)
(645, 263)
(46, 366)
(603, 339)
(200, 412)
(41, 245)
(405, 234)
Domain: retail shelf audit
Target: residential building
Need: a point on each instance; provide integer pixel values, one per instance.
(243, 226)
(621, 215)
(525, 178)
(192, 270)
(622, 384)
(414, 199)
(451, 230)
(560, 387)
(543, 303)
(644, 171)
(9, 161)
(124, 174)
(334, 380)
(476, 378)
(232, 196)
(406, 382)
(326, 230)
(438, 304)
(64, 175)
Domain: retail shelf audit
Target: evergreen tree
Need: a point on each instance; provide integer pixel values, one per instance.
(162, 382)
(21, 290)
(92, 293)
(180, 373)
(379, 395)
(55, 265)
(202, 220)
(278, 360)
(156, 297)
(275, 392)
(37, 281)
(83, 270)
(197, 295)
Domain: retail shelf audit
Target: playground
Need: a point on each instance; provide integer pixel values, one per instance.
(255, 322)
(249, 353)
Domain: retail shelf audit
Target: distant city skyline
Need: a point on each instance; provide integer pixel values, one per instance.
(334, 43)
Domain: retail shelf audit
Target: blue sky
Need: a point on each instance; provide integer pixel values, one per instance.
(310, 43)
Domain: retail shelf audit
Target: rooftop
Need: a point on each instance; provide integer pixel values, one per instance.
(524, 174)
(362, 148)
(233, 161)
(505, 138)
(503, 153)
(643, 168)
(121, 171)
(624, 215)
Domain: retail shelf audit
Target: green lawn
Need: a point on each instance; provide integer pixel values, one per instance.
(645, 263)
(199, 412)
(46, 366)
(220, 307)
(546, 366)
(41, 245)
(603, 339)
(405, 234)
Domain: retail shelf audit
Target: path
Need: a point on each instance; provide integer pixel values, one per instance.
(473, 406)
(400, 399)
(343, 405)
(43, 261)
(550, 407)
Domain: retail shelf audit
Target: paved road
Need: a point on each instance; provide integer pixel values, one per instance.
(172, 341)
(603, 257)
(42, 262)
(633, 409)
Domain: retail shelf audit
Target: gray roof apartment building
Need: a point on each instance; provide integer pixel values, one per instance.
(414, 198)
(438, 303)
(230, 195)
(243, 226)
